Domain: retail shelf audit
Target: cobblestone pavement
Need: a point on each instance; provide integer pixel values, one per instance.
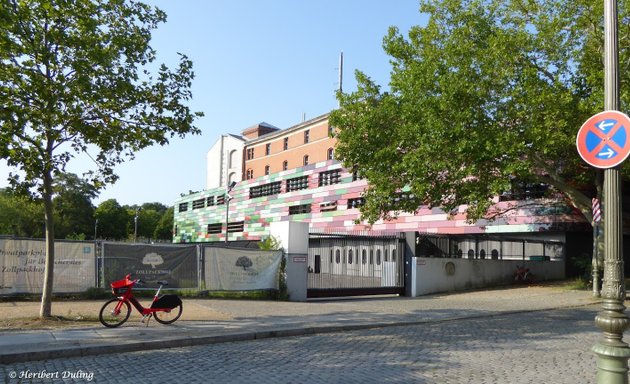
(551, 346)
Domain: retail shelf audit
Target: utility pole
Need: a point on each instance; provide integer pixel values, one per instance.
(612, 353)
(135, 224)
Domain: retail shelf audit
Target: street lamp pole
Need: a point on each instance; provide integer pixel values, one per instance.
(227, 207)
(612, 353)
(135, 223)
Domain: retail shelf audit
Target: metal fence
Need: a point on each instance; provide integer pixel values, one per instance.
(80, 265)
(487, 247)
(355, 264)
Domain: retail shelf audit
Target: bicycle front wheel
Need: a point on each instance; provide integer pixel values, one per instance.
(169, 317)
(114, 313)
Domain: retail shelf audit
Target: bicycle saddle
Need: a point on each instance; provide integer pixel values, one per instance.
(163, 282)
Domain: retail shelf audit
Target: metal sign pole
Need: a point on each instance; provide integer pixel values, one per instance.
(612, 353)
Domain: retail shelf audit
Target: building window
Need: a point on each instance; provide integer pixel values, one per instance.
(265, 190)
(328, 206)
(220, 199)
(250, 174)
(266, 170)
(329, 177)
(183, 207)
(298, 209)
(307, 135)
(286, 143)
(268, 149)
(250, 153)
(356, 202)
(305, 159)
(238, 226)
(210, 201)
(297, 183)
(285, 165)
(331, 131)
(199, 203)
(215, 228)
(232, 159)
(331, 154)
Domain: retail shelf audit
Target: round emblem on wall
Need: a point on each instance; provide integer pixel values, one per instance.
(449, 268)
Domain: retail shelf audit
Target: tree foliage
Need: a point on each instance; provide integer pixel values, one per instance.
(487, 92)
(144, 219)
(164, 227)
(74, 76)
(113, 220)
(20, 215)
(72, 207)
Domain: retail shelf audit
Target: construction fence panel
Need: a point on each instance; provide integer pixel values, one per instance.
(22, 264)
(234, 269)
(178, 265)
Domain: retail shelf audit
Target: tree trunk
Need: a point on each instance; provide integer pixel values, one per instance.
(45, 309)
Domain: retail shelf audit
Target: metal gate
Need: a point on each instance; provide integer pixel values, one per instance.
(351, 265)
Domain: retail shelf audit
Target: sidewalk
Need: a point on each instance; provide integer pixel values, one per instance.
(217, 321)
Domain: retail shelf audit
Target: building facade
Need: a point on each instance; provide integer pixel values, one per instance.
(291, 174)
(224, 161)
(303, 144)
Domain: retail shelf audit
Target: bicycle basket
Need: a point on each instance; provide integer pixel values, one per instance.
(121, 286)
(120, 291)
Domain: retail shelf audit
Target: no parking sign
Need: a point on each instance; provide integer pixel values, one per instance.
(603, 140)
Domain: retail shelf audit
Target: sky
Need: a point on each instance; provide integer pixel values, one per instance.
(273, 61)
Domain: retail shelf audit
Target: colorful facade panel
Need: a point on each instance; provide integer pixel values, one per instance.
(326, 208)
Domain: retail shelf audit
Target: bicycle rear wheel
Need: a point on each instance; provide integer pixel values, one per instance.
(112, 318)
(169, 317)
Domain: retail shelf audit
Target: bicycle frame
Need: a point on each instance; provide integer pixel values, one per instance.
(129, 297)
(116, 311)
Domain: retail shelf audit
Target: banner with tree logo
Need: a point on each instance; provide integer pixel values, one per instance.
(229, 269)
(151, 263)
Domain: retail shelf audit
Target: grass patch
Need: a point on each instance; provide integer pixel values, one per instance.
(577, 284)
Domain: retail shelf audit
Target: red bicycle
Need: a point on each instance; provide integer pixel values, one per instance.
(164, 309)
(523, 275)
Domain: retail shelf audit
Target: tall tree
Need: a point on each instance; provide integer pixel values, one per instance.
(112, 220)
(74, 75)
(144, 219)
(487, 92)
(72, 206)
(164, 227)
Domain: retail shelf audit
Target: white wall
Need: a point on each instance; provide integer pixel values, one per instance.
(433, 275)
(219, 168)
